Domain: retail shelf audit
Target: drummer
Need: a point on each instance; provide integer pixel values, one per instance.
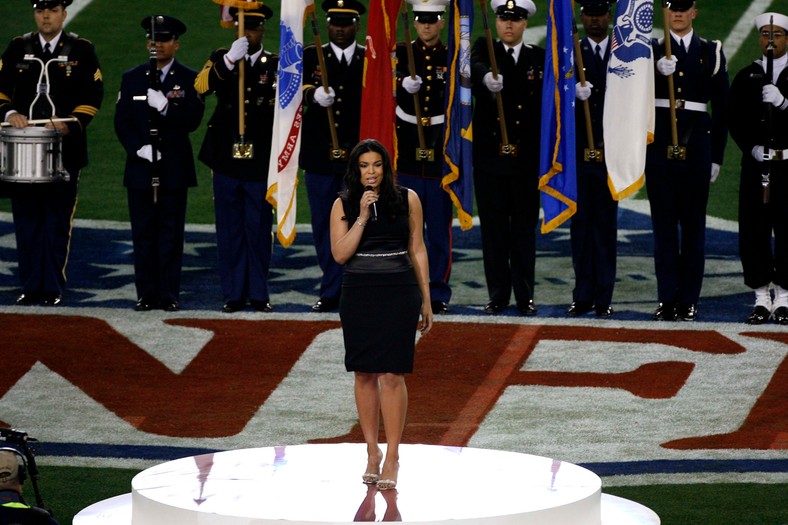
(43, 212)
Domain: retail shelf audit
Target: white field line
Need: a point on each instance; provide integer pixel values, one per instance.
(743, 27)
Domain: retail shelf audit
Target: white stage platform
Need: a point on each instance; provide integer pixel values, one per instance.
(321, 484)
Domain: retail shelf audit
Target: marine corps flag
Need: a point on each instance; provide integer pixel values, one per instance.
(629, 100)
(286, 137)
(458, 140)
(378, 101)
(557, 161)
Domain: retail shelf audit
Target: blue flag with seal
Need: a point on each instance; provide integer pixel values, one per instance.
(557, 162)
(458, 134)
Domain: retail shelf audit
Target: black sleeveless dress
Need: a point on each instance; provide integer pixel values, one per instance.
(380, 302)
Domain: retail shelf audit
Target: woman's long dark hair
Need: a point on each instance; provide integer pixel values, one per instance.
(390, 198)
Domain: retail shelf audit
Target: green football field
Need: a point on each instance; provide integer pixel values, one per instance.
(114, 28)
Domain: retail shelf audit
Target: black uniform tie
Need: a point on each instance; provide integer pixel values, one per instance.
(598, 55)
(511, 55)
(47, 51)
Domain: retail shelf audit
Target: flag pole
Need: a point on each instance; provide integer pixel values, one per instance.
(505, 149)
(422, 153)
(675, 152)
(241, 149)
(590, 153)
(336, 153)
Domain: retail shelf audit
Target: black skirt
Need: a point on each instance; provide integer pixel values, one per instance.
(379, 322)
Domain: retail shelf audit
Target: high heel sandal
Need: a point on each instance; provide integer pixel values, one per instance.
(370, 478)
(387, 484)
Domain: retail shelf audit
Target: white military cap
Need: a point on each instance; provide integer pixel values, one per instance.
(764, 19)
(428, 6)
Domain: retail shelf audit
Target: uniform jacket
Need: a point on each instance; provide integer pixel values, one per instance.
(701, 76)
(748, 116)
(76, 88)
(316, 136)
(431, 64)
(522, 102)
(596, 74)
(133, 123)
(222, 133)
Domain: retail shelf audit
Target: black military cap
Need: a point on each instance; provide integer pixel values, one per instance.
(513, 9)
(49, 4)
(253, 17)
(680, 5)
(165, 28)
(594, 7)
(343, 12)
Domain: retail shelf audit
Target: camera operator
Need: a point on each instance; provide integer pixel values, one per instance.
(13, 508)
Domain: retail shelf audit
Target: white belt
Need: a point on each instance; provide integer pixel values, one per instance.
(778, 154)
(681, 104)
(426, 121)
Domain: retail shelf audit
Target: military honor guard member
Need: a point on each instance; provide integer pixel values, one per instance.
(506, 176)
(157, 108)
(594, 226)
(759, 125)
(43, 212)
(420, 167)
(678, 174)
(239, 164)
(324, 165)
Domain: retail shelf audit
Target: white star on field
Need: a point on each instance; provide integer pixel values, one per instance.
(6, 266)
(127, 292)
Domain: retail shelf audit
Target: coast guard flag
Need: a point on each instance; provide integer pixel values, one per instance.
(557, 162)
(458, 137)
(378, 99)
(286, 139)
(629, 101)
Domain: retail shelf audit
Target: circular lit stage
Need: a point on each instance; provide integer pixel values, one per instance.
(321, 484)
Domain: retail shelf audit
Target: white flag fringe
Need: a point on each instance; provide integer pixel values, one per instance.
(629, 100)
(286, 138)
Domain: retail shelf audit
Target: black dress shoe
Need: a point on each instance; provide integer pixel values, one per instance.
(579, 308)
(760, 314)
(780, 315)
(528, 309)
(169, 305)
(325, 304)
(262, 306)
(439, 307)
(495, 308)
(233, 306)
(665, 312)
(51, 298)
(145, 304)
(687, 312)
(603, 311)
(27, 299)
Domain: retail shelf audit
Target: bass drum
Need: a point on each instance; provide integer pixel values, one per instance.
(31, 155)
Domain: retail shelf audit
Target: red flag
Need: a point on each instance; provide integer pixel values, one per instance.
(378, 103)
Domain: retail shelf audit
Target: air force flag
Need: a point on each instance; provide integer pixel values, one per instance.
(286, 139)
(629, 100)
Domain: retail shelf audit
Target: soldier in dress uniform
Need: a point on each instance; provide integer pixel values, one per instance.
(506, 181)
(423, 175)
(43, 212)
(678, 184)
(594, 226)
(174, 109)
(759, 125)
(323, 168)
(244, 218)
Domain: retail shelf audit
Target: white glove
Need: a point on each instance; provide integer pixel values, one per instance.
(238, 50)
(323, 98)
(757, 154)
(411, 85)
(666, 66)
(583, 92)
(157, 100)
(146, 152)
(715, 172)
(772, 95)
(493, 84)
